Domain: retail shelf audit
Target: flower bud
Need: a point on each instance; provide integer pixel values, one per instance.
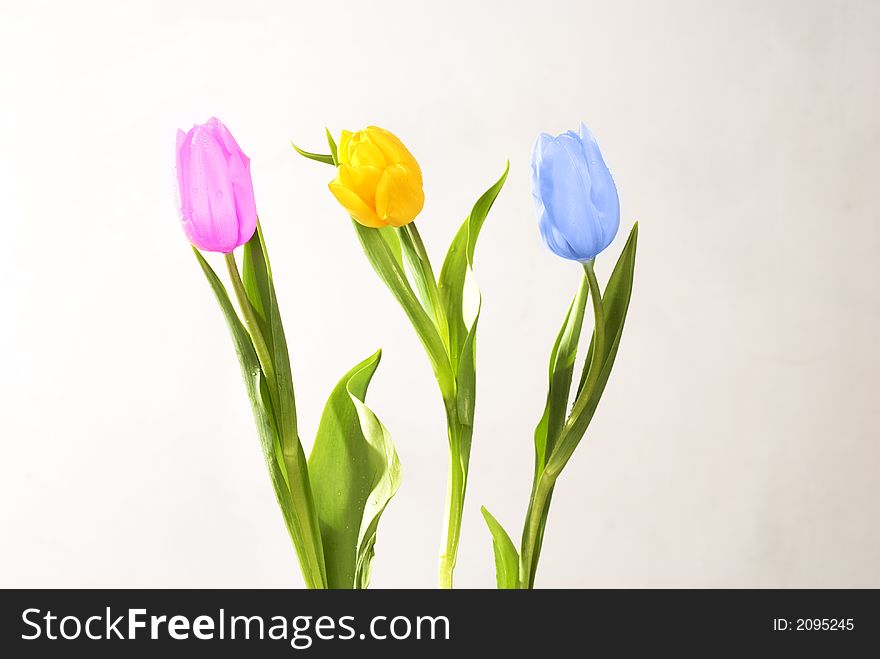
(377, 180)
(217, 206)
(575, 196)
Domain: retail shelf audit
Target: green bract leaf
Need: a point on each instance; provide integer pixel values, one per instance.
(327, 159)
(459, 260)
(616, 298)
(332, 144)
(355, 472)
(334, 154)
(506, 556)
(257, 390)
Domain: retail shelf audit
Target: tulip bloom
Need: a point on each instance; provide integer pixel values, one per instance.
(377, 180)
(217, 206)
(575, 196)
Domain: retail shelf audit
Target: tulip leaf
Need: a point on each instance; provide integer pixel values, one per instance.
(327, 159)
(332, 143)
(454, 273)
(423, 274)
(390, 235)
(506, 556)
(257, 390)
(419, 271)
(260, 289)
(562, 360)
(390, 271)
(616, 299)
(466, 380)
(355, 472)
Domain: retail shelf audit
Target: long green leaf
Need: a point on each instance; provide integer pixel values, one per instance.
(355, 472)
(562, 360)
(466, 378)
(393, 240)
(456, 266)
(260, 288)
(391, 272)
(506, 556)
(257, 391)
(422, 274)
(616, 299)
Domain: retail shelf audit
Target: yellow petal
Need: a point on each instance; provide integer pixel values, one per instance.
(399, 196)
(393, 149)
(363, 153)
(343, 146)
(355, 206)
(360, 180)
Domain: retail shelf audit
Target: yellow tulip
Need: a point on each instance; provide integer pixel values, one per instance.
(377, 181)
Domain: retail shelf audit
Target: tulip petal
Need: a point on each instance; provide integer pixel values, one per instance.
(243, 195)
(344, 147)
(226, 140)
(363, 153)
(355, 206)
(565, 199)
(212, 202)
(554, 239)
(393, 149)
(603, 191)
(361, 180)
(399, 196)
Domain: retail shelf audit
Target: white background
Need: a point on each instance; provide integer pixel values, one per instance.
(737, 442)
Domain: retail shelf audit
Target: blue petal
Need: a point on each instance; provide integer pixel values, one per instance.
(603, 192)
(560, 186)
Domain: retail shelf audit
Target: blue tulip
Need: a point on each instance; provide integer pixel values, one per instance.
(575, 196)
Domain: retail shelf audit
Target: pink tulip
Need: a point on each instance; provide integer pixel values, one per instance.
(217, 206)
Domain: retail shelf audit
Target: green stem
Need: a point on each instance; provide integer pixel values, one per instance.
(305, 532)
(459, 434)
(533, 533)
(250, 320)
(455, 492)
(598, 341)
(311, 551)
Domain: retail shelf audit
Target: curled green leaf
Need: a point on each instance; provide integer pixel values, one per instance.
(325, 158)
(354, 471)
